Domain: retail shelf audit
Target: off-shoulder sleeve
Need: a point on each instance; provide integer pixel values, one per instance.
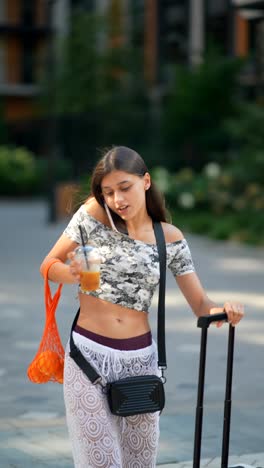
(83, 219)
(180, 259)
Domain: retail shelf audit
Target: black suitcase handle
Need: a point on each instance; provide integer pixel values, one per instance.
(206, 320)
(204, 323)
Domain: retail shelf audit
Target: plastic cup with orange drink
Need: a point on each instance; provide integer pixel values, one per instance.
(90, 260)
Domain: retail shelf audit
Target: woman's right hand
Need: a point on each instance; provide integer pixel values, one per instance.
(75, 267)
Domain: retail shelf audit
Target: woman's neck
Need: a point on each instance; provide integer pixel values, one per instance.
(141, 223)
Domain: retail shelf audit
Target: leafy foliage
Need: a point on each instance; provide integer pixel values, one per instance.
(21, 173)
(214, 202)
(247, 143)
(17, 170)
(80, 68)
(3, 128)
(197, 104)
(99, 88)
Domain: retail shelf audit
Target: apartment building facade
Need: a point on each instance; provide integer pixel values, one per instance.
(26, 29)
(24, 32)
(168, 31)
(179, 31)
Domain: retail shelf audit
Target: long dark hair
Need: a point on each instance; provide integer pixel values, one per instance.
(121, 158)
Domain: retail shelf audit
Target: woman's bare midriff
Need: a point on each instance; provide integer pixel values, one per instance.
(111, 320)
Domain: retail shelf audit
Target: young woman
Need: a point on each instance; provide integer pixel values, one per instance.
(113, 331)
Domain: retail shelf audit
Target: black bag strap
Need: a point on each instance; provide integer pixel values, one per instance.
(76, 354)
(161, 245)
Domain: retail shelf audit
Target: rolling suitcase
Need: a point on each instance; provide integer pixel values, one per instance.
(204, 323)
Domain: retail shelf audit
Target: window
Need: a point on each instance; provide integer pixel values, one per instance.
(2, 61)
(138, 22)
(28, 61)
(28, 12)
(217, 7)
(83, 5)
(2, 11)
(173, 30)
(217, 24)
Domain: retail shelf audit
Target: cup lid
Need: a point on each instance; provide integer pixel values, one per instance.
(91, 252)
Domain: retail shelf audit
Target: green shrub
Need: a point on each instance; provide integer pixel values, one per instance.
(99, 91)
(214, 202)
(3, 126)
(17, 171)
(21, 173)
(195, 109)
(247, 144)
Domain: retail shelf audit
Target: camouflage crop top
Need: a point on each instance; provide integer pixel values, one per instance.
(130, 270)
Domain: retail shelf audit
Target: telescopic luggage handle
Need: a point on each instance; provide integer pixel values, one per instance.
(204, 323)
(206, 320)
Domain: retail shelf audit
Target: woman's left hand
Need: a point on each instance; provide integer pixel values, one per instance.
(234, 310)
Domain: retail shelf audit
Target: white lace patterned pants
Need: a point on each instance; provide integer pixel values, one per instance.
(99, 438)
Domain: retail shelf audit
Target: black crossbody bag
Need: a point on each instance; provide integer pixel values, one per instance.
(139, 394)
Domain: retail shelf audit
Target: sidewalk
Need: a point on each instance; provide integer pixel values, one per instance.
(256, 460)
(36, 443)
(33, 431)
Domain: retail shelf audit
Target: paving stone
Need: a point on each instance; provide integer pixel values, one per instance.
(33, 432)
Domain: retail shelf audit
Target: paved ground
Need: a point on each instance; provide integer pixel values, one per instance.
(32, 426)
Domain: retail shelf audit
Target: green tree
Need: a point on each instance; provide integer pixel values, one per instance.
(196, 106)
(247, 143)
(99, 91)
(79, 69)
(3, 128)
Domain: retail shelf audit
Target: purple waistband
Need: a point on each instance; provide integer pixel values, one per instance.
(126, 344)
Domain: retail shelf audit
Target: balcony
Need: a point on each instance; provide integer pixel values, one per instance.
(252, 4)
(21, 78)
(22, 29)
(19, 90)
(250, 9)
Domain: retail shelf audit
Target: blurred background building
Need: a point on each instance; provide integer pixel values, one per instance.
(169, 31)
(181, 78)
(26, 28)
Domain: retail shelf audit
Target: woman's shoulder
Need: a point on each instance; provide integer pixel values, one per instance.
(89, 214)
(172, 233)
(94, 209)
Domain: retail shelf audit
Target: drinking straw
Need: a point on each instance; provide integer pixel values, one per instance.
(83, 244)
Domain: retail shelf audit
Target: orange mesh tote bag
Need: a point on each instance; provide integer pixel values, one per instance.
(48, 363)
